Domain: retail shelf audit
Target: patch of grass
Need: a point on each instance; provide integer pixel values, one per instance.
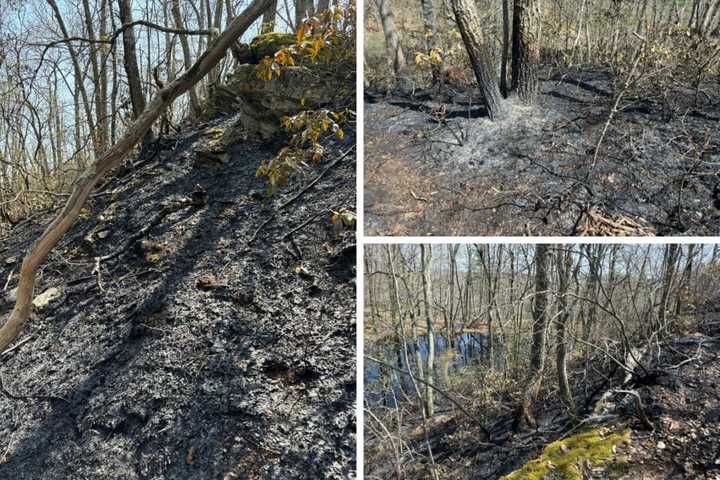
(564, 457)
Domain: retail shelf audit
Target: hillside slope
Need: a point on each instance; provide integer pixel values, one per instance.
(214, 341)
(679, 388)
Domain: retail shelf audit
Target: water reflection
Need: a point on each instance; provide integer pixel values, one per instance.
(385, 386)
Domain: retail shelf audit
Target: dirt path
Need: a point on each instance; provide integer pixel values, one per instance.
(201, 350)
(437, 166)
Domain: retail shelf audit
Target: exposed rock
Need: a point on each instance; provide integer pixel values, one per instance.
(11, 296)
(47, 297)
(263, 103)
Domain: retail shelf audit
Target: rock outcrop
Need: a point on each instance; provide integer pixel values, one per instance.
(261, 104)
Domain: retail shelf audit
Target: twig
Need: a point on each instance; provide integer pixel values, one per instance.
(317, 179)
(419, 199)
(28, 397)
(8, 279)
(254, 235)
(638, 56)
(16, 346)
(302, 225)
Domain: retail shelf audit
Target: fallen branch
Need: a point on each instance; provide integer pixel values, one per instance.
(639, 408)
(302, 225)
(16, 346)
(317, 179)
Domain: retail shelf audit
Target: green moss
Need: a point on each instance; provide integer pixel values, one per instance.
(267, 44)
(563, 457)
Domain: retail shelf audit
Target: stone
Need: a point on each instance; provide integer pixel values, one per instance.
(45, 298)
(11, 296)
(261, 104)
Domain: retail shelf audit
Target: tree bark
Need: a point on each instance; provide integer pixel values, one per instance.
(428, 13)
(527, 31)
(194, 102)
(426, 258)
(671, 257)
(323, 5)
(537, 353)
(111, 159)
(137, 98)
(469, 27)
(564, 265)
(300, 12)
(268, 21)
(392, 40)
(505, 48)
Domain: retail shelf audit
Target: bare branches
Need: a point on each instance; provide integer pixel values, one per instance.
(120, 31)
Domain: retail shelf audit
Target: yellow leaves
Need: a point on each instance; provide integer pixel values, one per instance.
(300, 33)
(344, 217)
(434, 58)
(264, 69)
(342, 220)
(326, 37)
(309, 127)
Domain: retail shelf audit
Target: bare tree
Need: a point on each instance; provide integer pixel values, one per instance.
(187, 56)
(564, 266)
(393, 43)
(137, 97)
(426, 262)
(537, 352)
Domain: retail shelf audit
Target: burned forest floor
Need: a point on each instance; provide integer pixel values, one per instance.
(677, 382)
(436, 165)
(189, 326)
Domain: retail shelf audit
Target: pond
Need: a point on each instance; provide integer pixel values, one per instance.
(467, 349)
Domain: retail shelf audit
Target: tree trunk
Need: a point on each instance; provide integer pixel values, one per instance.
(537, 353)
(79, 84)
(137, 98)
(323, 5)
(393, 44)
(428, 14)
(100, 101)
(268, 21)
(469, 27)
(709, 17)
(564, 265)
(111, 159)
(194, 102)
(671, 257)
(426, 258)
(300, 12)
(527, 32)
(505, 48)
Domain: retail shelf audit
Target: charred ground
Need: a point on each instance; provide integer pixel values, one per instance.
(215, 340)
(436, 165)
